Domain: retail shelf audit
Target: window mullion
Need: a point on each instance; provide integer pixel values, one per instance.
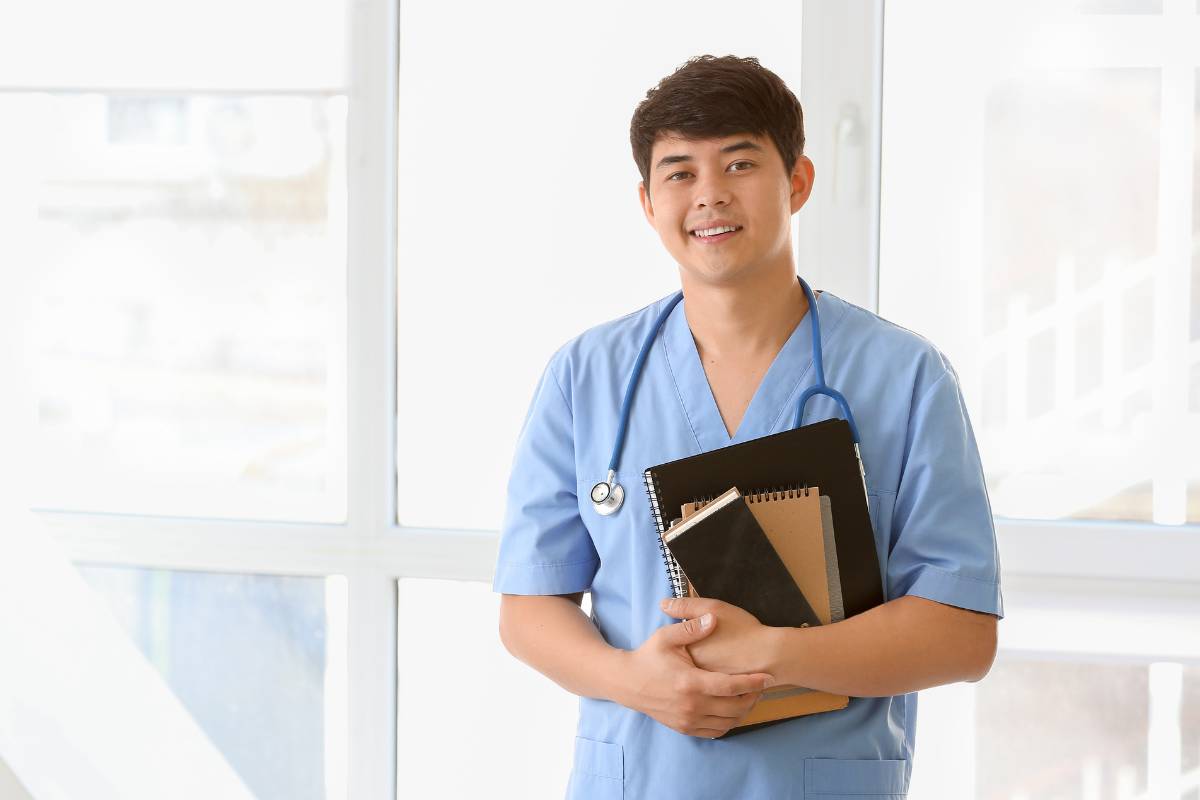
(370, 290)
(370, 387)
(1171, 278)
(838, 233)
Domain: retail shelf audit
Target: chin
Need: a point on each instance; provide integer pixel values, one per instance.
(716, 273)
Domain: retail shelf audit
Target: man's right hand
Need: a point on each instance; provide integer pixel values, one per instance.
(665, 684)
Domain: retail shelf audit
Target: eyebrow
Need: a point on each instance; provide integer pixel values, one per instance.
(744, 144)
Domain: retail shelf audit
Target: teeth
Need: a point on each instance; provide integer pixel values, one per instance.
(715, 231)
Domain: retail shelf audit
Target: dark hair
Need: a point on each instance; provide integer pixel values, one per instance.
(709, 97)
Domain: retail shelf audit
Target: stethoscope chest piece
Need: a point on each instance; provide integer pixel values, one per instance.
(607, 495)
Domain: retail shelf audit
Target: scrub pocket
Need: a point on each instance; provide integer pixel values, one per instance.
(599, 771)
(855, 779)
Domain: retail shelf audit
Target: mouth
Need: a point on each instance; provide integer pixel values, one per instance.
(716, 235)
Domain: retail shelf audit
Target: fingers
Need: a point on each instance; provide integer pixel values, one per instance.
(710, 703)
(710, 733)
(689, 631)
(733, 708)
(707, 726)
(714, 726)
(719, 684)
(697, 710)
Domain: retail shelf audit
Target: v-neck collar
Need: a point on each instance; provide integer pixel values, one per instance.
(780, 383)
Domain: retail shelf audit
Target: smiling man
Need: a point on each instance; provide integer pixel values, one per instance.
(719, 145)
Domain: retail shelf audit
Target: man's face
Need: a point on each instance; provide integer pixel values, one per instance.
(736, 180)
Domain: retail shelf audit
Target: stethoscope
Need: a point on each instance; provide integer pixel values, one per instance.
(608, 495)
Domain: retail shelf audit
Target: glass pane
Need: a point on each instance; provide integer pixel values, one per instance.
(217, 44)
(1189, 762)
(1082, 253)
(247, 656)
(189, 320)
(1091, 730)
(1048, 729)
(511, 246)
(1031, 245)
(512, 728)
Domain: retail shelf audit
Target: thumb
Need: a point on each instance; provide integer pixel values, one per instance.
(690, 630)
(684, 607)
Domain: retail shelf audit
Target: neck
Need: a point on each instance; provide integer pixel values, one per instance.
(750, 318)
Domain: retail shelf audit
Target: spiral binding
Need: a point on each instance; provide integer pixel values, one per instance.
(761, 495)
(780, 493)
(674, 571)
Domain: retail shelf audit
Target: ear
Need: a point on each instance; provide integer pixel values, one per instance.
(647, 202)
(802, 182)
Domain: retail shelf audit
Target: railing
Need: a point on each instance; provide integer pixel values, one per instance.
(1089, 445)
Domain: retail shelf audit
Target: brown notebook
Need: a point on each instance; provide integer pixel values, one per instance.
(792, 520)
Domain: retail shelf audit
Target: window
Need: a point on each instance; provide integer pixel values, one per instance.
(461, 686)
(247, 656)
(189, 318)
(177, 194)
(1037, 223)
(518, 217)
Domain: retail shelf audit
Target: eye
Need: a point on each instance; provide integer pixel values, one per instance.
(744, 166)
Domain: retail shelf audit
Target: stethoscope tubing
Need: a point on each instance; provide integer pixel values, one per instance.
(819, 386)
(612, 496)
(623, 423)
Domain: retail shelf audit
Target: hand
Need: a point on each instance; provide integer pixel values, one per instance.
(666, 685)
(740, 643)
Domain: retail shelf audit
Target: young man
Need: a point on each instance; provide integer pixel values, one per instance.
(719, 145)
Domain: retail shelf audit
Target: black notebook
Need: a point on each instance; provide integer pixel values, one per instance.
(727, 556)
(821, 454)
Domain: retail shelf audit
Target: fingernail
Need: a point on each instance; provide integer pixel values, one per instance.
(769, 682)
(665, 604)
(706, 621)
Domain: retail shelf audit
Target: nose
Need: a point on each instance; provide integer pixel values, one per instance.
(711, 191)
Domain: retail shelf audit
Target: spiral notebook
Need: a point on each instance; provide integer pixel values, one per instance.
(799, 527)
(726, 554)
(821, 454)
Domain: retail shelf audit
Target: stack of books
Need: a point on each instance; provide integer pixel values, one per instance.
(778, 526)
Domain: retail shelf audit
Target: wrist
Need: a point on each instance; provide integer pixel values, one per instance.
(619, 670)
(779, 650)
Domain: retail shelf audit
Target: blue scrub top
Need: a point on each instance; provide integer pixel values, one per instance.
(928, 504)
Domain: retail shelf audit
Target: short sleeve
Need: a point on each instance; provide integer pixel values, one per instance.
(943, 540)
(545, 548)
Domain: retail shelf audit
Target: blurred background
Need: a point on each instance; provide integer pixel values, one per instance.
(279, 280)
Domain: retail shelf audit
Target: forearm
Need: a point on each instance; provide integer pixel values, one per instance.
(901, 646)
(552, 634)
